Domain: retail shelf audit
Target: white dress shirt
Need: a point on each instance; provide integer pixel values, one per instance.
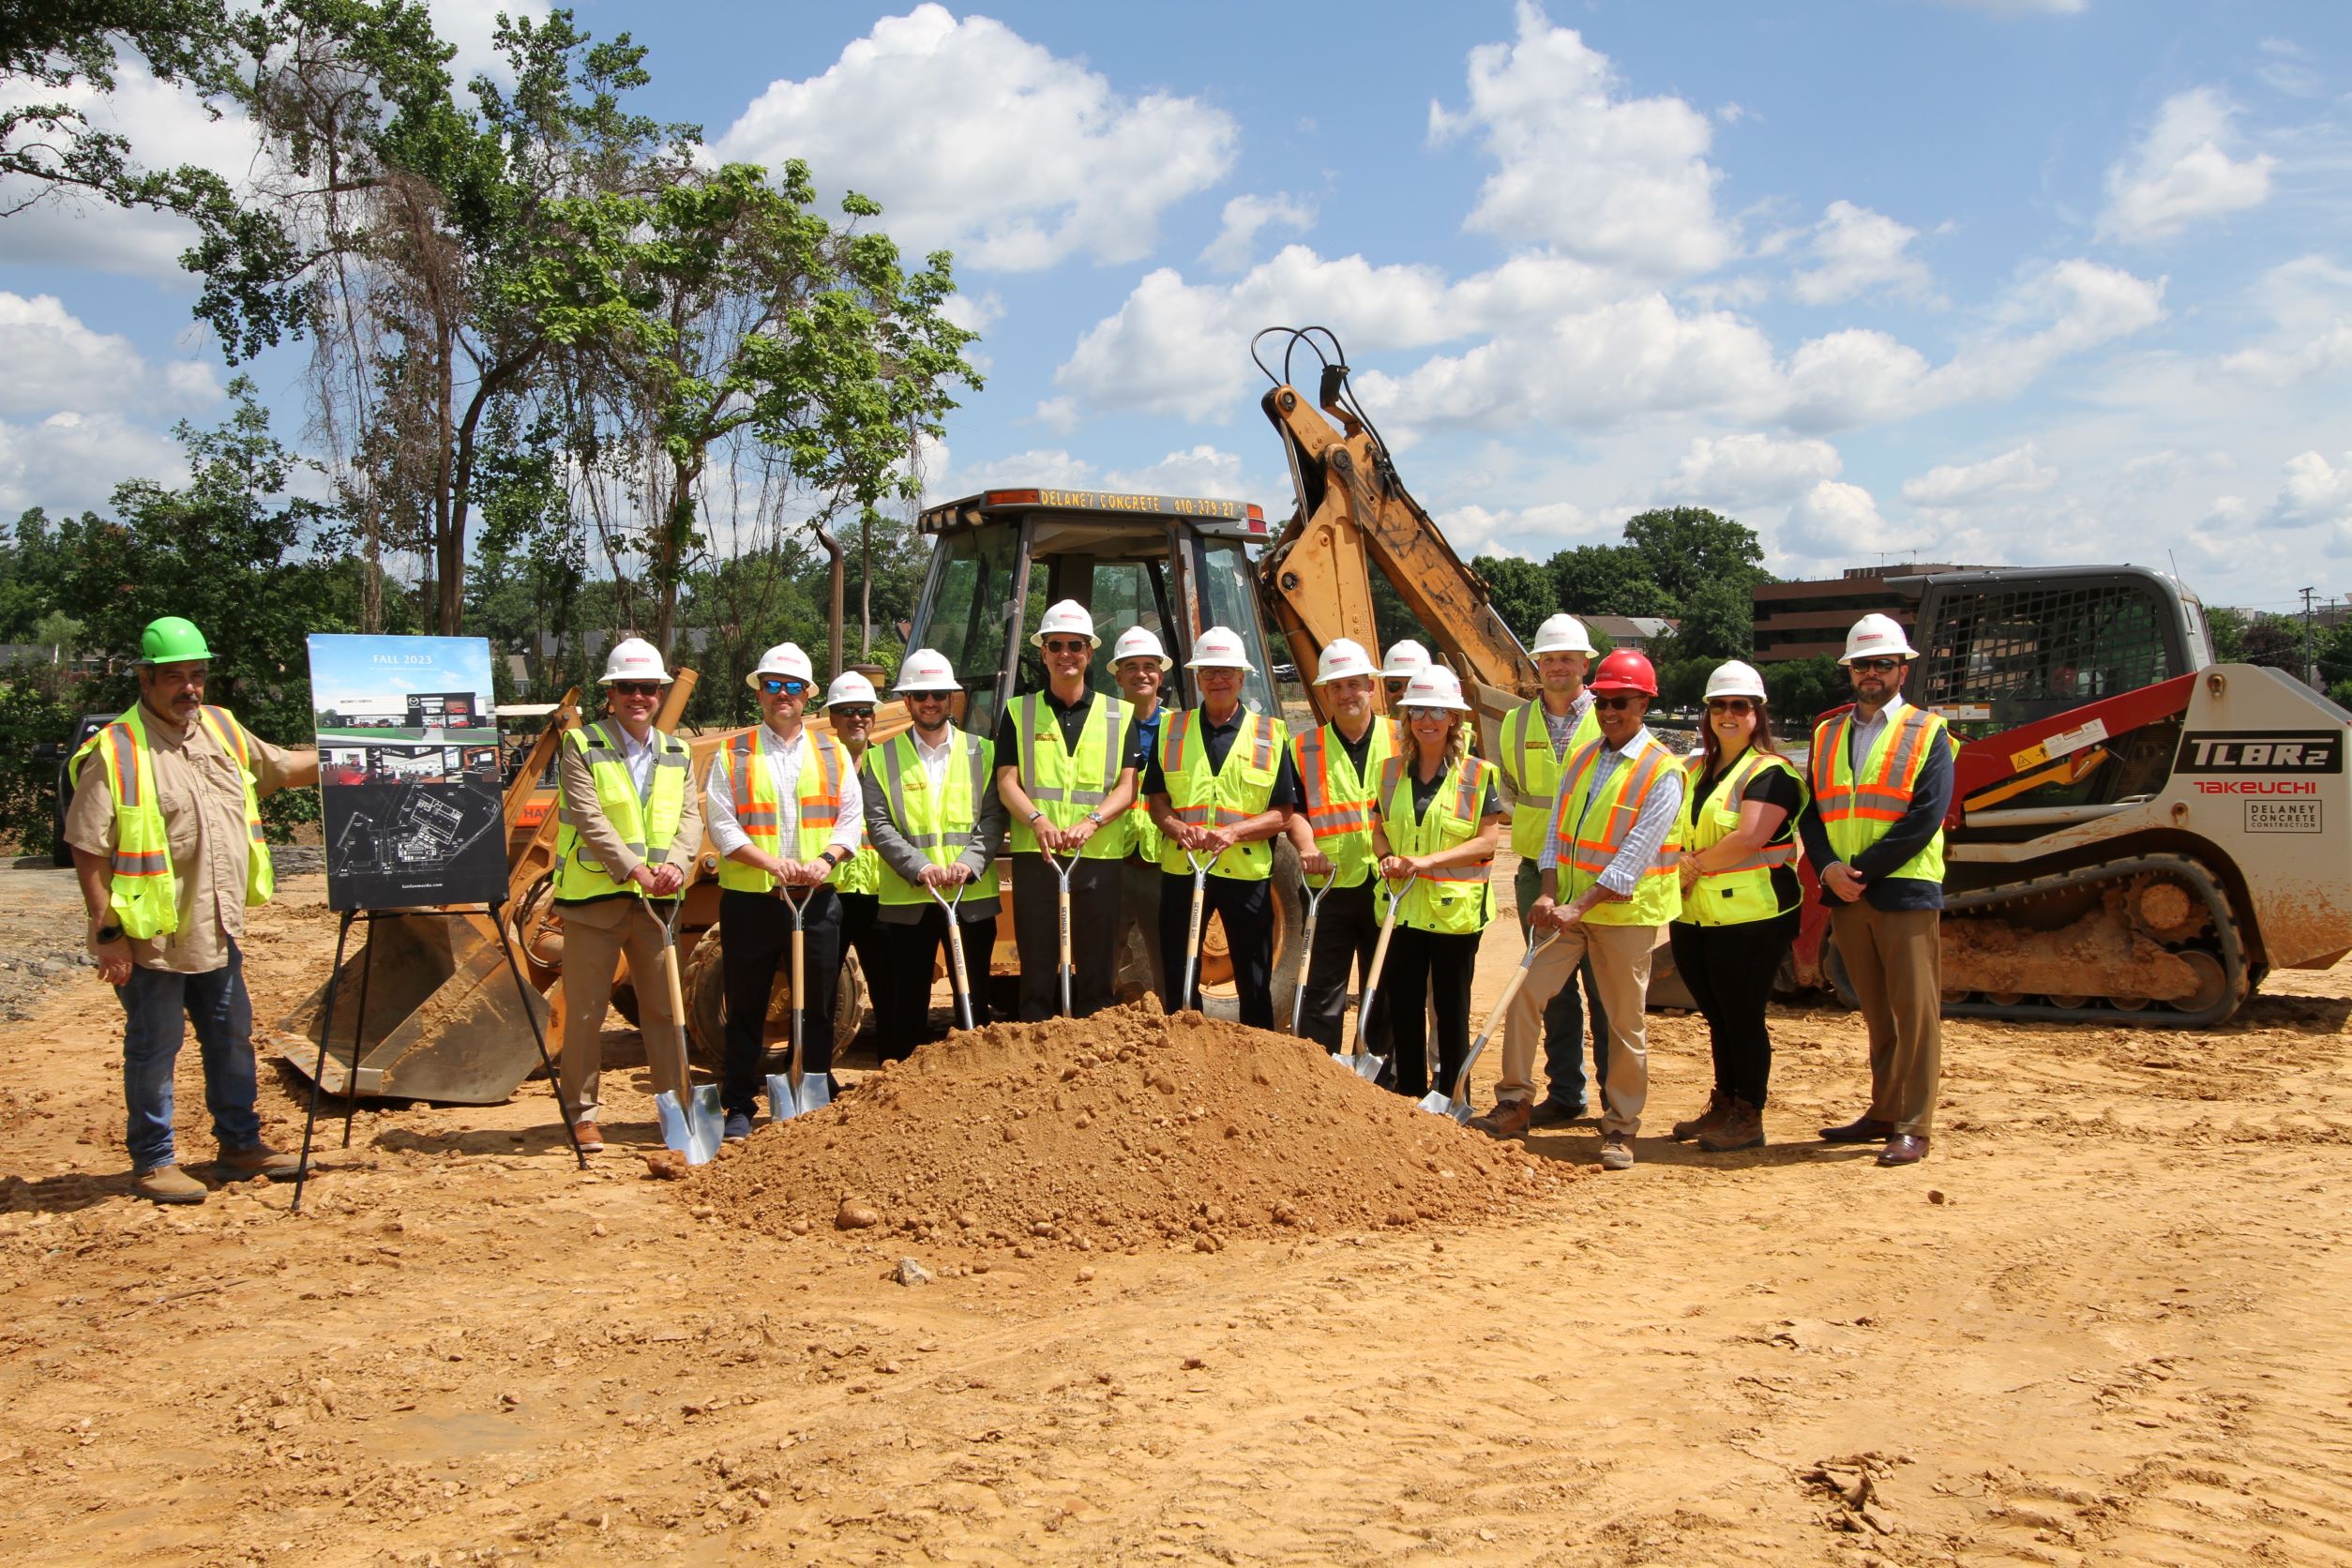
(936, 758)
(784, 759)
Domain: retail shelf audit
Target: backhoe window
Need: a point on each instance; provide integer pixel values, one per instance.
(965, 615)
(1228, 597)
(2031, 651)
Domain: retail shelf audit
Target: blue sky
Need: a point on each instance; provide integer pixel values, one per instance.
(2001, 281)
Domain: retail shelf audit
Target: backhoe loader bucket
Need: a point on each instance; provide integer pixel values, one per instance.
(441, 1020)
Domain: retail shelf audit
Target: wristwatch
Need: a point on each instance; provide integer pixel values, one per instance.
(1095, 817)
(109, 933)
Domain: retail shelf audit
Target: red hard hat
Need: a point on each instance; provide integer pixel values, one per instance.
(1626, 669)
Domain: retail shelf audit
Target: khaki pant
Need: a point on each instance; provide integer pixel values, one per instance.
(1896, 960)
(1620, 963)
(594, 937)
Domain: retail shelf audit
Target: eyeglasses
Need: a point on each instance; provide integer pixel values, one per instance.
(1067, 645)
(783, 686)
(1417, 713)
(1874, 666)
(1616, 704)
(850, 713)
(637, 688)
(1729, 706)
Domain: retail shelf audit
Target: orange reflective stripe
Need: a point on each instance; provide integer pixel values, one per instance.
(1885, 794)
(147, 862)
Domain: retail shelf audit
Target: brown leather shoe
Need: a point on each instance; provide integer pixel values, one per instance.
(1741, 1128)
(591, 1141)
(169, 1184)
(1509, 1118)
(1861, 1130)
(1902, 1149)
(243, 1165)
(1718, 1107)
(1557, 1113)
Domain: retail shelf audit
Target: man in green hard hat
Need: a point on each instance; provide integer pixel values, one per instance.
(166, 832)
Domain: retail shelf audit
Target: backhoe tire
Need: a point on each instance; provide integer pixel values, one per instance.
(704, 982)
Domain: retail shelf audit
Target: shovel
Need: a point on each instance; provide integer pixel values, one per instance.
(955, 952)
(1361, 1060)
(1192, 939)
(1062, 870)
(795, 1092)
(1314, 897)
(1457, 1104)
(691, 1121)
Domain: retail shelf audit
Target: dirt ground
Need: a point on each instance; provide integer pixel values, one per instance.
(2105, 1323)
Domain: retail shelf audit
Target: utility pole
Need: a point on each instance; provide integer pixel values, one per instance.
(2307, 665)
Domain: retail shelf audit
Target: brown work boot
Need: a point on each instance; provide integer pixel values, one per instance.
(243, 1165)
(169, 1184)
(1508, 1119)
(591, 1141)
(1741, 1128)
(1718, 1107)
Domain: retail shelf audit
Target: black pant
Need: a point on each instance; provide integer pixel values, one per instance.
(1247, 910)
(861, 914)
(759, 938)
(1093, 935)
(1428, 968)
(1729, 971)
(1347, 929)
(902, 1000)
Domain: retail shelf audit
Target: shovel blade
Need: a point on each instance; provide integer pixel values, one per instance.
(815, 1094)
(694, 1128)
(1368, 1066)
(1445, 1104)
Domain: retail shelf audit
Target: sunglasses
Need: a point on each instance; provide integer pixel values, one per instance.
(780, 685)
(1065, 646)
(1416, 714)
(1729, 706)
(850, 713)
(637, 689)
(922, 697)
(1615, 705)
(1874, 666)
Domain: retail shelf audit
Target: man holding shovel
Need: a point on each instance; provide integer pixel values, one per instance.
(933, 816)
(629, 828)
(783, 806)
(1338, 768)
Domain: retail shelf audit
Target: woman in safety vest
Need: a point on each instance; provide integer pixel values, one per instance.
(1439, 824)
(1740, 897)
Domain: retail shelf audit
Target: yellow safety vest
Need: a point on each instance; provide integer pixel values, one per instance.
(1857, 814)
(1740, 893)
(1066, 783)
(1592, 828)
(862, 872)
(823, 766)
(1455, 900)
(144, 895)
(1532, 769)
(648, 827)
(1239, 789)
(938, 822)
(1340, 801)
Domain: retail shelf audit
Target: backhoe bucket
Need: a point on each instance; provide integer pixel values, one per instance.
(443, 1019)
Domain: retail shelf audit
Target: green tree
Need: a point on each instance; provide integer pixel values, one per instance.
(1682, 548)
(1801, 690)
(2227, 628)
(1718, 622)
(1522, 591)
(2274, 642)
(1607, 579)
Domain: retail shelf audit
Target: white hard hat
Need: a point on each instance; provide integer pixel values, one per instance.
(1876, 636)
(1219, 648)
(633, 658)
(1561, 634)
(1434, 688)
(849, 688)
(1140, 643)
(785, 658)
(1063, 619)
(1343, 657)
(926, 669)
(1405, 660)
(1735, 679)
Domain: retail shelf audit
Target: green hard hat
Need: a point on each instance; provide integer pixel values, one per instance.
(171, 640)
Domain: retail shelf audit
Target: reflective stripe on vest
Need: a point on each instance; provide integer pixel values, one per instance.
(1236, 789)
(1743, 891)
(1066, 782)
(1856, 812)
(1591, 829)
(1532, 769)
(645, 826)
(144, 894)
(759, 813)
(1456, 899)
(938, 822)
(1341, 803)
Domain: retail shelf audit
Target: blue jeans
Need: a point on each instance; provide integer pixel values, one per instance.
(1563, 1017)
(157, 1008)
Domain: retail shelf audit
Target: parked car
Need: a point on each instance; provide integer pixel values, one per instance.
(46, 751)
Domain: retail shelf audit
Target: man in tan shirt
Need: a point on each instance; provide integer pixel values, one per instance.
(164, 926)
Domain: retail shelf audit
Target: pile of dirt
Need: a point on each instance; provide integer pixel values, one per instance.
(1127, 1130)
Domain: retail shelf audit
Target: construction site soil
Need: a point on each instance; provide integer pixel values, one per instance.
(1126, 1130)
(2102, 1322)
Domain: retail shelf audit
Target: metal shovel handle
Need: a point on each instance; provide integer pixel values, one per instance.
(956, 951)
(1314, 897)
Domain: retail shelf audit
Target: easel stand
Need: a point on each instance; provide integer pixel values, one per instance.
(367, 963)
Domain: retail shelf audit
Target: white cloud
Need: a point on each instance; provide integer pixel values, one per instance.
(2314, 489)
(1751, 469)
(56, 362)
(1835, 518)
(1198, 471)
(2082, 304)
(2016, 472)
(1531, 533)
(71, 463)
(1054, 466)
(2309, 302)
(972, 137)
(1857, 251)
(473, 26)
(2182, 172)
(1245, 216)
(1614, 180)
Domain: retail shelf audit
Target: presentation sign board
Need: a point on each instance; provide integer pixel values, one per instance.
(409, 774)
